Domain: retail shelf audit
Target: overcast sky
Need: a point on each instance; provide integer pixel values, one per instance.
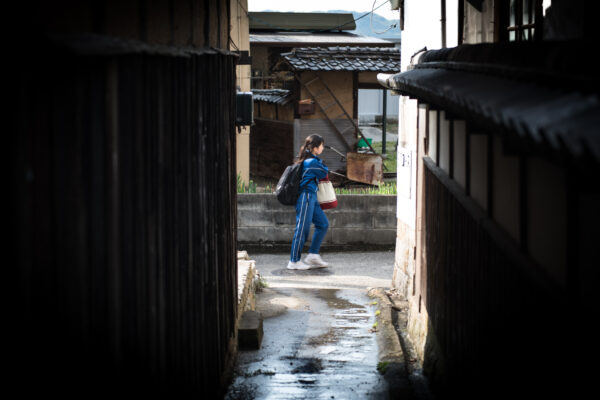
(323, 5)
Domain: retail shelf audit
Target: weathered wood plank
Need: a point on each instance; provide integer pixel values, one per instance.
(366, 168)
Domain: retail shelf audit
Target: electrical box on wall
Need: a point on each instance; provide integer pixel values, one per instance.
(245, 109)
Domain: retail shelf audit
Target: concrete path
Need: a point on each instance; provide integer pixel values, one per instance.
(376, 135)
(319, 340)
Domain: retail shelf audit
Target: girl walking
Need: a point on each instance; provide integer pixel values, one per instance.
(307, 207)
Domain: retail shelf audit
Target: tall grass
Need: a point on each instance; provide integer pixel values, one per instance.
(391, 156)
(385, 188)
(252, 187)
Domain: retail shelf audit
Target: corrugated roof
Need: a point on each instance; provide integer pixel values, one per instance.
(315, 39)
(277, 96)
(546, 117)
(376, 59)
(301, 21)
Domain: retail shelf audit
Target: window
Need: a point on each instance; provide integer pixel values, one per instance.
(524, 20)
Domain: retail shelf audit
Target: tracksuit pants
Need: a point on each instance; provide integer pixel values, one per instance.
(307, 211)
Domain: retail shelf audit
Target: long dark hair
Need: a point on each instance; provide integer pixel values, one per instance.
(311, 142)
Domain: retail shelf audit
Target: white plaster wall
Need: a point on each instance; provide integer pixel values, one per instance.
(452, 32)
(421, 28)
(404, 264)
(422, 132)
(479, 169)
(506, 190)
(460, 153)
(432, 135)
(444, 143)
(406, 167)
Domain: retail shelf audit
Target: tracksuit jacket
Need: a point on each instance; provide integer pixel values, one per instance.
(313, 169)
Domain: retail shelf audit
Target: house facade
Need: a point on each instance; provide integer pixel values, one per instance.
(497, 190)
(313, 63)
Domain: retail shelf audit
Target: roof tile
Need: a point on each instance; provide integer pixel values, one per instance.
(377, 59)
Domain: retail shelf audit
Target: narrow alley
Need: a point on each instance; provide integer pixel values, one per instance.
(145, 141)
(320, 332)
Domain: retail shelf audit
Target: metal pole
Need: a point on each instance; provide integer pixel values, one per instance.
(443, 21)
(384, 122)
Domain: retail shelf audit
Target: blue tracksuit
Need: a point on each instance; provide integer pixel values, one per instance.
(308, 209)
(313, 169)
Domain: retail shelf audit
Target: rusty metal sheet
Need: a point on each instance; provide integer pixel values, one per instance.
(365, 168)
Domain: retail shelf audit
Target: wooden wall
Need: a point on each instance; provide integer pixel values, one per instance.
(123, 191)
(502, 259)
(341, 84)
(200, 23)
(486, 301)
(271, 147)
(273, 111)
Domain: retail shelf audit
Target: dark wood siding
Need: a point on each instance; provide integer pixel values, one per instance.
(271, 147)
(124, 223)
(487, 302)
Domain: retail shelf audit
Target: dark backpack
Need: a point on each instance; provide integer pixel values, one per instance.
(289, 185)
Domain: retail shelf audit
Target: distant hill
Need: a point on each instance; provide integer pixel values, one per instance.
(380, 24)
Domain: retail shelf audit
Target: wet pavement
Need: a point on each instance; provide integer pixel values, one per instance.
(318, 331)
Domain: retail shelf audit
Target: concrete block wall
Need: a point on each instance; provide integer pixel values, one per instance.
(358, 219)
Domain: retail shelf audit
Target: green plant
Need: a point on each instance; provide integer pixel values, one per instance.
(391, 156)
(261, 283)
(243, 188)
(240, 186)
(382, 366)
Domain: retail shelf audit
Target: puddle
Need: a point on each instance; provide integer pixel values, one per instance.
(324, 350)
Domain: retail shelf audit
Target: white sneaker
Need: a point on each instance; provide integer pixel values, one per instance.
(297, 265)
(315, 261)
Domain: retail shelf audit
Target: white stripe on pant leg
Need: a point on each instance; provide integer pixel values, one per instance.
(299, 238)
(295, 243)
(295, 239)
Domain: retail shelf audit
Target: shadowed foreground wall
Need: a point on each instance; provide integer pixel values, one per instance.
(125, 248)
(494, 316)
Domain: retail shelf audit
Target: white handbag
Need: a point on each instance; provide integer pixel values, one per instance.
(326, 194)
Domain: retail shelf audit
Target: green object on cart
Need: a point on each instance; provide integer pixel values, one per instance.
(362, 143)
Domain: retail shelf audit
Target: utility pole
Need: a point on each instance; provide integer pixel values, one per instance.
(384, 122)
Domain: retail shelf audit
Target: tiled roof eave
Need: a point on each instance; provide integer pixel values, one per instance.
(557, 122)
(344, 59)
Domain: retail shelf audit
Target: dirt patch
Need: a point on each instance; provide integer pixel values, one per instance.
(271, 302)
